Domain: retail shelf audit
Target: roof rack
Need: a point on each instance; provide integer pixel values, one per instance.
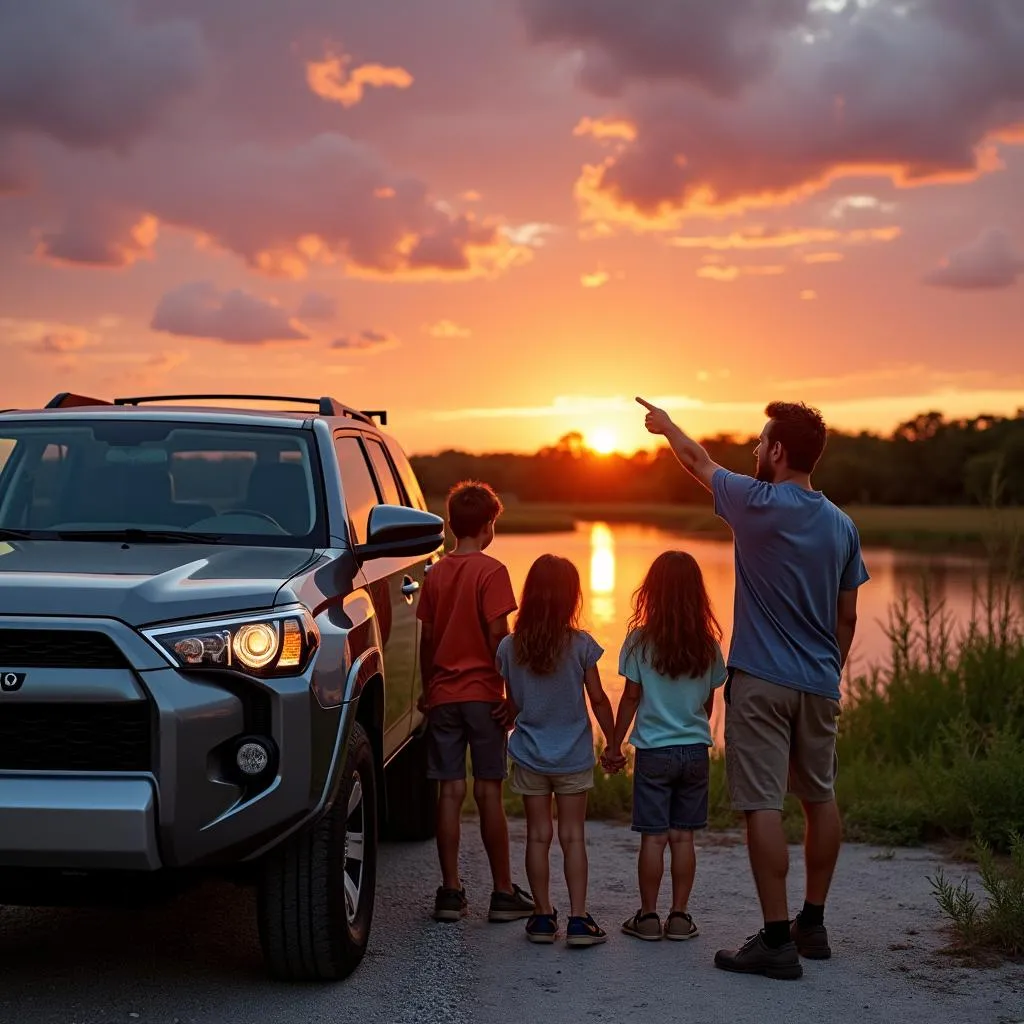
(326, 406)
(67, 400)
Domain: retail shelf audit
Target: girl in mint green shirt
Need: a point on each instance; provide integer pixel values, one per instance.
(672, 662)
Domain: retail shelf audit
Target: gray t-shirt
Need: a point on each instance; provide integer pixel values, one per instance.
(552, 734)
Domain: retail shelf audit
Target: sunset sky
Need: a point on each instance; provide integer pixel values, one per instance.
(502, 219)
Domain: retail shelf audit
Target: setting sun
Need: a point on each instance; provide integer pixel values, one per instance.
(602, 440)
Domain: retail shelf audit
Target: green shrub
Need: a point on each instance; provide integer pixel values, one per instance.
(998, 924)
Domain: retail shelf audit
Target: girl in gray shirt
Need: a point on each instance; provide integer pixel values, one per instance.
(547, 664)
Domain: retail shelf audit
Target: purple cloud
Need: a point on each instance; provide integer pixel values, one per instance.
(990, 262)
(201, 310)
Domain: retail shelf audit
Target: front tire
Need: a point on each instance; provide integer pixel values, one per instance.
(316, 891)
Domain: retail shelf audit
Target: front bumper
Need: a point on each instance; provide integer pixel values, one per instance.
(169, 797)
(104, 823)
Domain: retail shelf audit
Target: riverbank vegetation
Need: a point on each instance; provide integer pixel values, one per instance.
(926, 487)
(927, 461)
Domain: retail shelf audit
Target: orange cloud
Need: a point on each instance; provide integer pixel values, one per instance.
(649, 191)
(448, 329)
(463, 248)
(771, 238)
(331, 80)
(595, 279)
(604, 128)
(101, 237)
(715, 272)
(824, 257)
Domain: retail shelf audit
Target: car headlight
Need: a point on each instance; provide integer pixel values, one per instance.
(275, 644)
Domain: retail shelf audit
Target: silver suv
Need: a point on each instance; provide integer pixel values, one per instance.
(208, 658)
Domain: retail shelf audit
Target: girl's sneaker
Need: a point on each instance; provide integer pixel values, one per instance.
(542, 928)
(679, 927)
(644, 926)
(584, 931)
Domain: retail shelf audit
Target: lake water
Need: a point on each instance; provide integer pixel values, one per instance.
(613, 558)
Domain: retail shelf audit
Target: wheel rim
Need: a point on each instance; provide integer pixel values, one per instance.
(355, 849)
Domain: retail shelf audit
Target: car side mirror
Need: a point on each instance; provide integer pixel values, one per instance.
(394, 530)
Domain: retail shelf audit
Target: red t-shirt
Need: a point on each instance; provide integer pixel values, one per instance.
(461, 596)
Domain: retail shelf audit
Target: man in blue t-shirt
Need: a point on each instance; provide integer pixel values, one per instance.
(798, 567)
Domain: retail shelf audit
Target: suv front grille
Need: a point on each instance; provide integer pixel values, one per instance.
(75, 737)
(58, 648)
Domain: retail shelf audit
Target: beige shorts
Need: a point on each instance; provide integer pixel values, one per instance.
(530, 783)
(778, 739)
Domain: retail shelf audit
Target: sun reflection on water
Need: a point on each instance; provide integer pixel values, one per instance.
(602, 574)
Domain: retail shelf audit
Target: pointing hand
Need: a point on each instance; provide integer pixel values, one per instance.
(657, 420)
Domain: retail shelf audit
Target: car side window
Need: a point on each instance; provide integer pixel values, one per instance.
(390, 488)
(360, 492)
(408, 478)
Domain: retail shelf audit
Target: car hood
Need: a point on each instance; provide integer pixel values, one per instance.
(142, 584)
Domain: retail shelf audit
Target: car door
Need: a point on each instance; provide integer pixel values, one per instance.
(412, 569)
(413, 497)
(392, 588)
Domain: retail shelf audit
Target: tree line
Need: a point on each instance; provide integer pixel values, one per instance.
(927, 460)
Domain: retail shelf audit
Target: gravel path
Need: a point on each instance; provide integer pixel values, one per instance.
(197, 960)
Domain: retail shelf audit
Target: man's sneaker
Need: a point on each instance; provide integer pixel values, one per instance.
(811, 941)
(450, 904)
(756, 957)
(511, 906)
(643, 926)
(679, 927)
(542, 928)
(584, 931)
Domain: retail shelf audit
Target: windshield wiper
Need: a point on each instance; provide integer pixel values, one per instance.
(135, 535)
(6, 534)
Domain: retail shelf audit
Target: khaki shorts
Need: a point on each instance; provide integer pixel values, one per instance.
(778, 739)
(530, 783)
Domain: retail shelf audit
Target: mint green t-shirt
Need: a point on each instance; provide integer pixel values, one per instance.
(671, 711)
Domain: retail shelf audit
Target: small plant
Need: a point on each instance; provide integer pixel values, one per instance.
(998, 924)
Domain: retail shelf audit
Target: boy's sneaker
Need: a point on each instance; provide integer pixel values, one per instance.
(679, 927)
(755, 956)
(542, 928)
(643, 926)
(450, 904)
(811, 941)
(584, 931)
(511, 906)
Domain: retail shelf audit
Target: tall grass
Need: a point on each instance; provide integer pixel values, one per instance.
(932, 744)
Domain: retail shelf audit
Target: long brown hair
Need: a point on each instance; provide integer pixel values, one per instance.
(675, 625)
(549, 610)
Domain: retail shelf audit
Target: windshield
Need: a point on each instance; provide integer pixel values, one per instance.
(242, 485)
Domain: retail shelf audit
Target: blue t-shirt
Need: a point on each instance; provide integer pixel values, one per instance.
(671, 711)
(795, 551)
(552, 734)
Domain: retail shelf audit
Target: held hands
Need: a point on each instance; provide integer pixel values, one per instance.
(657, 420)
(613, 761)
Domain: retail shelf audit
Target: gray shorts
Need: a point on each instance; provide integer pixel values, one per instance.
(452, 728)
(670, 788)
(778, 739)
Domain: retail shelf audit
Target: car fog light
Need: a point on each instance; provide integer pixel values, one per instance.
(252, 758)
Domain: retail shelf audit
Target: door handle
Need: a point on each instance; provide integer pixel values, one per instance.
(409, 586)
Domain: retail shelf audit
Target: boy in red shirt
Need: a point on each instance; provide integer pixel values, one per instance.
(464, 608)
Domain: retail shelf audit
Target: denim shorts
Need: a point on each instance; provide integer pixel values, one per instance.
(670, 788)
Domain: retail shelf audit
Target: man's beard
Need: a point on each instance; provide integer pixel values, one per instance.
(765, 473)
